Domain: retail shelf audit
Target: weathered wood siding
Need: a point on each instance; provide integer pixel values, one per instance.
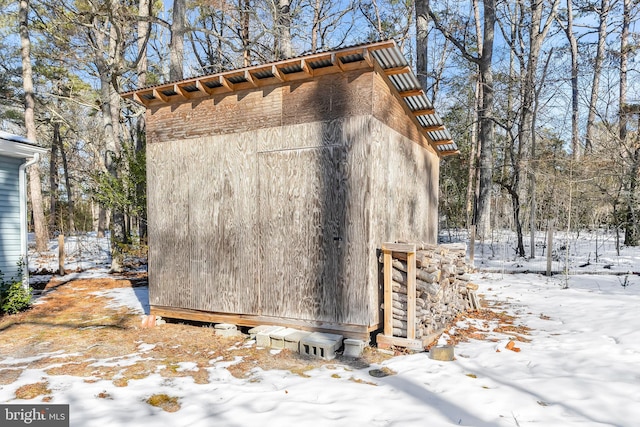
(202, 197)
(273, 202)
(276, 232)
(324, 98)
(401, 193)
(314, 223)
(394, 114)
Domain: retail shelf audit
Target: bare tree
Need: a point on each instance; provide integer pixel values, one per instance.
(573, 49)
(624, 67)
(35, 184)
(482, 56)
(144, 29)
(328, 15)
(526, 46)
(603, 14)
(244, 7)
(632, 232)
(422, 41)
(283, 45)
(176, 44)
(53, 178)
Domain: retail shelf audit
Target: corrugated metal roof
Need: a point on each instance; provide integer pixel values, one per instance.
(417, 103)
(386, 54)
(321, 63)
(390, 58)
(405, 82)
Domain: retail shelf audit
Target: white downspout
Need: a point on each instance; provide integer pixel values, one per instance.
(23, 216)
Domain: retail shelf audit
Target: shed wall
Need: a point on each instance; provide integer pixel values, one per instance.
(10, 228)
(202, 223)
(324, 98)
(395, 114)
(235, 228)
(404, 198)
(273, 201)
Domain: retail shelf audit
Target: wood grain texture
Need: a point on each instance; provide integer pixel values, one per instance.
(389, 109)
(321, 99)
(411, 295)
(404, 190)
(361, 332)
(301, 223)
(388, 341)
(232, 113)
(362, 286)
(202, 202)
(281, 216)
(168, 208)
(328, 98)
(388, 293)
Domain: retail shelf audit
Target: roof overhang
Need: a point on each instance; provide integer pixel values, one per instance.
(18, 146)
(384, 57)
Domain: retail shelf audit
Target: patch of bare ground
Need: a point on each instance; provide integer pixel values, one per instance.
(8, 376)
(165, 402)
(31, 391)
(485, 324)
(72, 331)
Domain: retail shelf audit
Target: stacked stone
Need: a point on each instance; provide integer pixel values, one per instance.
(443, 289)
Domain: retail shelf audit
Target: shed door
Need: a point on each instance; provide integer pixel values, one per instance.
(302, 222)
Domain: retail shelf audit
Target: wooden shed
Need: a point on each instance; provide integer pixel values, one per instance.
(271, 188)
(16, 153)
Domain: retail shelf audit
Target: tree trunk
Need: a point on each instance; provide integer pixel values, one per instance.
(144, 11)
(102, 222)
(422, 42)
(53, 178)
(140, 135)
(35, 184)
(624, 66)
(631, 237)
(537, 34)
(573, 45)
(67, 183)
(597, 70)
(631, 221)
(472, 176)
(485, 118)
(110, 108)
(315, 28)
(474, 159)
(483, 60)
(515, 201)
(530, 89)
(176, 44)
(245, 10)
(284, 49)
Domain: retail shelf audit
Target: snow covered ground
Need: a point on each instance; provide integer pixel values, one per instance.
(581, 366)
(577, 253)
(82, 252)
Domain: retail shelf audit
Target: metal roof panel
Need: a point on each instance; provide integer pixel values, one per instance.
(385, 53)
